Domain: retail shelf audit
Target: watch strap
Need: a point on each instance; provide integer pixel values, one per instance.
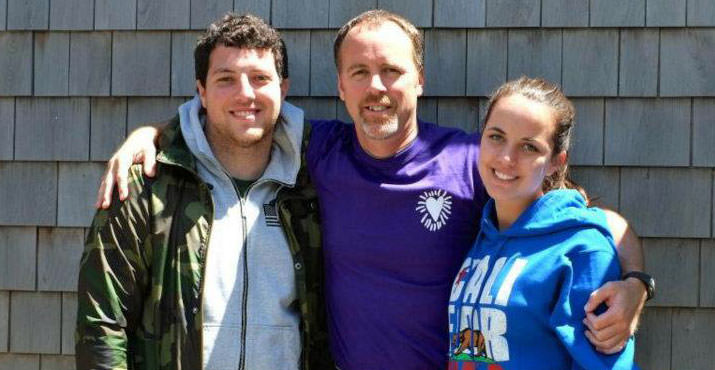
(646, 279)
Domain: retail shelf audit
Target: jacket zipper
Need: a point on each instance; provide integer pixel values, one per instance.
(244, 302)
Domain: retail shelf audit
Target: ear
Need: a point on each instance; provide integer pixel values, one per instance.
(202, 92)
(340, 87)
(285, 85)
(420, 83)
(557, 162)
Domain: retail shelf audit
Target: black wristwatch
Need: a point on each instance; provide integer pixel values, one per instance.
(646, 279)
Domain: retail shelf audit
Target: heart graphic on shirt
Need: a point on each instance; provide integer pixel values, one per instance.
(434, 207)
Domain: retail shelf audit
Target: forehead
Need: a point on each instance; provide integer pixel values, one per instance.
(383, 42)
(230, 57)
(521, 114)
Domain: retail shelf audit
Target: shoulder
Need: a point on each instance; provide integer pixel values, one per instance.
(324, 134)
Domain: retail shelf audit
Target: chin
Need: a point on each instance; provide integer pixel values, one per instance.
(380, 131)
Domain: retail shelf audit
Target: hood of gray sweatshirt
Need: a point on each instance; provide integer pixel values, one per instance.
(249, 321)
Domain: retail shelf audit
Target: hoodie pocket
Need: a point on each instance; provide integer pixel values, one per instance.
(272, 347)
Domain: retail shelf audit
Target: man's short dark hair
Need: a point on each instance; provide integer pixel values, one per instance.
(240, 31)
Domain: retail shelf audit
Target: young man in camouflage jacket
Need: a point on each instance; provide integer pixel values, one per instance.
(215, 262)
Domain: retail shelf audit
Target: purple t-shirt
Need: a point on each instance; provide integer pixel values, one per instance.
(395, 232)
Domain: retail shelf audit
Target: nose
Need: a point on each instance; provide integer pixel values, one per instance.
(244, 89)
(507, 155)
(376, 84)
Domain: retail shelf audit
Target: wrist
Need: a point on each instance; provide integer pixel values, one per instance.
(645, 281)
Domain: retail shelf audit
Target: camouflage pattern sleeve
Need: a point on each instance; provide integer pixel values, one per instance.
(113, 276)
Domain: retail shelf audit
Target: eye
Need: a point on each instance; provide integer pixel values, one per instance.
(358, 73)
(497, 138)
(262, 78)
(529, 148)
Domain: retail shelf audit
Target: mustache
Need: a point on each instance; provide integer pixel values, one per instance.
(377, 99)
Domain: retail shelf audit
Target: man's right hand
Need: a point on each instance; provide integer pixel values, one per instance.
(138, 148)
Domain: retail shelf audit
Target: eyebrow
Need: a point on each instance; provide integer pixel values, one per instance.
(497, 129)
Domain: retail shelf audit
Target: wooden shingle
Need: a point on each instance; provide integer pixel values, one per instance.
(3, 14)
(323, 80)
(58, 254)
(667, 122)
(51, 63)
(35, 312)
(564, 13)
(298, 46)
(90, 63)
(459, 13)
(69, 322)
(686, 67)
(183, 74)
(148, 75)
(692, 339)
(142, 111)
(54, 362)
(28, 193)
(667, 202)
(163, 14)
(676, 287)
(600, 183)
(419, 12)
(300, 13)
(4, 319)
(535, 53)
(7, 128)
(17, 257)
(260, 8)
(72, 15)
(342, 11)
(618, 13)
(513, 13)
(707, 273)
(653, 338)
(19, 362)
(76, 193)
(16, 56)
(427, 109)
(461, 113)
(445, 62)
(587, 141)
(316, 108)
(665, 13)
(701, 13)
(115, 14)
(204, 12)
(486, 61)
(704, 132)
(595, 51)
(52, 129)
(27, 15)
(108, 124)
(638, 67)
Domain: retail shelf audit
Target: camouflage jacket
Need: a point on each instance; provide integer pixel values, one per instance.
(140, 283)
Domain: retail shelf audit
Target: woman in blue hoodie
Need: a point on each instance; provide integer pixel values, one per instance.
(518, 299)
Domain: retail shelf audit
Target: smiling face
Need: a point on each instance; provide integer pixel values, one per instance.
(379, 83)
(242, 96)
(517, 150)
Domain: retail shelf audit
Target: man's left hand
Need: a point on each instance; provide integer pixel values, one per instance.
(609, 331)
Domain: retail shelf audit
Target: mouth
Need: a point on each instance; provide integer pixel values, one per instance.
(244, 114)
(502, 176)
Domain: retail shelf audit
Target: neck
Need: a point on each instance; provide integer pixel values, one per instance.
(241, 162)
(509, 211)
(388, 147)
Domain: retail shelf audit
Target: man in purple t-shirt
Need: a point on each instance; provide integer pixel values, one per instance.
(400, 203)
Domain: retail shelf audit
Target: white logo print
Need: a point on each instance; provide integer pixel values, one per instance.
(435, 206)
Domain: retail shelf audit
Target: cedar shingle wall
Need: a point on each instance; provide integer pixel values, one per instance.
(77, 75)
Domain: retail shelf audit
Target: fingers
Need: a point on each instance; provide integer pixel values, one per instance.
(120, 172)
(609, 346)
(150, 161)
(600, 295)
(104, 194)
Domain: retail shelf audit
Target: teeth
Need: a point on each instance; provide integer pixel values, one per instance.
(503, 176)
(243, 113)
(376, 108)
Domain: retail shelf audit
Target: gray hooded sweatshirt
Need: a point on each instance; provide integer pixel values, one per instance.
(249, 321)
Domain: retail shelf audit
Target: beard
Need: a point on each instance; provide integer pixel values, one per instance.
(382, 128)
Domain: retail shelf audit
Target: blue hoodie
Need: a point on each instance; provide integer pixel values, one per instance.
(518, 299)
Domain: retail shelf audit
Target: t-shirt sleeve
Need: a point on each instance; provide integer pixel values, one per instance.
(585, 270)
(320, 135)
